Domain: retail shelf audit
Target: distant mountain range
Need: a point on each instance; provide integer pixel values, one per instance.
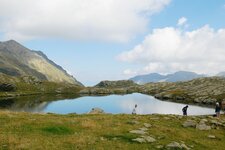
(175, 77)
(17, 60)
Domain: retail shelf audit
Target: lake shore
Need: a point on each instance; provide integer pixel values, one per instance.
(52, 131)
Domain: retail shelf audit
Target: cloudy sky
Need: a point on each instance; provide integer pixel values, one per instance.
(98, 40)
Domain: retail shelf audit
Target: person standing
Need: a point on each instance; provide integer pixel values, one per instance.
(185, 110)
(134, 110)
(217, 110)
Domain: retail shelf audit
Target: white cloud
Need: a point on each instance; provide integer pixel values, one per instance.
(129, 72)
(112, 20)
(170, 49)
(182, 21)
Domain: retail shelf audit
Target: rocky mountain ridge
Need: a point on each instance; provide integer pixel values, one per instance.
(17, 60)
(175, 77)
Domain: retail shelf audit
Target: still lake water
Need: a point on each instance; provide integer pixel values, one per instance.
(111, 104)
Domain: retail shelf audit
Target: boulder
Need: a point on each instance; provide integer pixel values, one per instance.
(96, 111)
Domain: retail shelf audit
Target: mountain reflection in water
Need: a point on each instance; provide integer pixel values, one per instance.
(111, 104)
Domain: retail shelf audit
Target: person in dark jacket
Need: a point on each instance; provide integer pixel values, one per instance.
(217, 110)
(185, 110)
(134, 110)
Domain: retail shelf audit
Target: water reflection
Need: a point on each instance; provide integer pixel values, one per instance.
(37, 103)
(111, 104)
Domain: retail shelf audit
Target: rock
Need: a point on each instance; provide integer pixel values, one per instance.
(144, 139)
(147, 125)
(176, 145)
(189, 123)
(210, 117)
(96, 111)
(215, 122)
(203, 127)
(149, 139)
(159, 147)
(116, 84)
(133, 122)
(102, 139)
(138, 132)
(211, 136)
(203, 120)
(140, 140)
(184, 146)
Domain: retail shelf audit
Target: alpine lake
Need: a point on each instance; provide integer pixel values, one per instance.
(115, 104)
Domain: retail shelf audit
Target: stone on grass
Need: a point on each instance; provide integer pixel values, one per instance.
(204, 120)
(189, 123)
(203, 127)
(147, 125)
(133, 122)
(215, 122)
(159, 146)
(140, 140)
(211, 136)
(176, 145)
(138, 132)
(149, 139)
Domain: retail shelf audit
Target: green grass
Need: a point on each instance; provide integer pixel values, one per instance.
(57, 130)
(51, 131)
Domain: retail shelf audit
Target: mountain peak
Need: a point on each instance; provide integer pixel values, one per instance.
(17, 60)
(175, 77)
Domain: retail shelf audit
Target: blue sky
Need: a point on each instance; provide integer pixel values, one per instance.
(110, 44)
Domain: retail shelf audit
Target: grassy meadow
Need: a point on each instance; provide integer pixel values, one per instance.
(103, 131)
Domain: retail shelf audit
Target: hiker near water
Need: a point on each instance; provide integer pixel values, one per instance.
(217, 109)
(185, 110)
(134, 110)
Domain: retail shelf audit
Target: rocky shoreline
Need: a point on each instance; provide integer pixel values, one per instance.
(201, 91)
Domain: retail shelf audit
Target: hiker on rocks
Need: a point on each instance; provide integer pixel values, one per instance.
(185, 110)
(134, 110)
(217, 110)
